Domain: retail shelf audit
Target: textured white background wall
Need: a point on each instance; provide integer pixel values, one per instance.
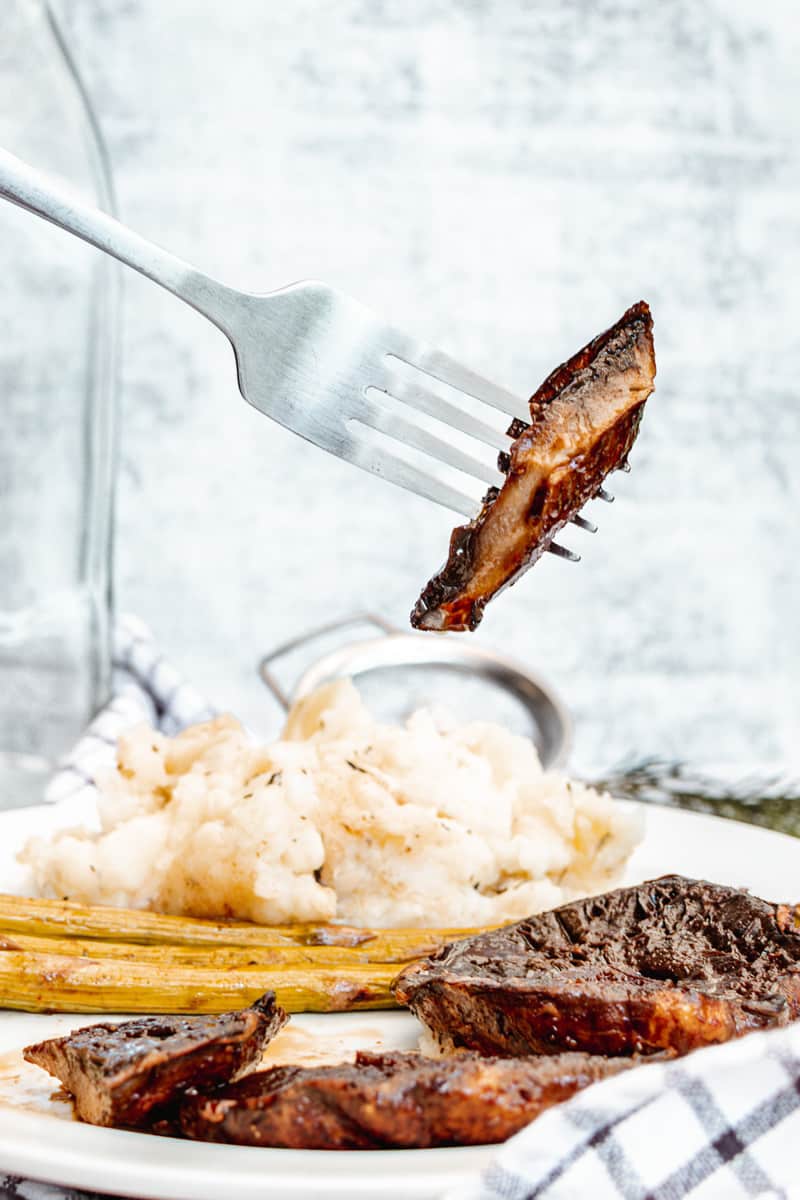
(502, 177)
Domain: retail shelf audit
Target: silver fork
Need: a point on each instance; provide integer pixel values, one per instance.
(323, 365)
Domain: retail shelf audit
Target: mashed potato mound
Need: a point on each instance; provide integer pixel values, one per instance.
(343, 818)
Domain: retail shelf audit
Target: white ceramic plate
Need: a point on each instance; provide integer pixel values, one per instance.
(38, 1137)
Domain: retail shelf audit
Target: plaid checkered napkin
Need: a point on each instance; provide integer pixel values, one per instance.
(146, 688)
(721, 1124)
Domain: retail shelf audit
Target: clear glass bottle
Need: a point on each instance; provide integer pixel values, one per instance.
(57, 373)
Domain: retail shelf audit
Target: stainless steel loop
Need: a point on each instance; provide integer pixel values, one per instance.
(551, 722)
(268, 676)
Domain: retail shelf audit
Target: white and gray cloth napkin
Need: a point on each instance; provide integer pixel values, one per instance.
(721, 1124)
(146, 687)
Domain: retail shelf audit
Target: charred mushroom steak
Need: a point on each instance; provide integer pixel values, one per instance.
(131, 1074)
(673, 964)
(584, 420)
(392, 1100)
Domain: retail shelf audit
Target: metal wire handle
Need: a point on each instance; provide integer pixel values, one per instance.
(268, 676)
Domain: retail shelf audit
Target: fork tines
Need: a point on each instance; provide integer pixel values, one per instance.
(437, 428)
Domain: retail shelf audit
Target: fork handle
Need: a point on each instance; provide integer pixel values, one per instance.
(39, 194)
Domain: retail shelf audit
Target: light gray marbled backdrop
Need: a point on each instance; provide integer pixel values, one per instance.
(502, 177)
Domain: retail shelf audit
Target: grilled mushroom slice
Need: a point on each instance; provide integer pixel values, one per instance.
(669, 965)
(131, 1074)
(391, 1100)
(584, 420)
